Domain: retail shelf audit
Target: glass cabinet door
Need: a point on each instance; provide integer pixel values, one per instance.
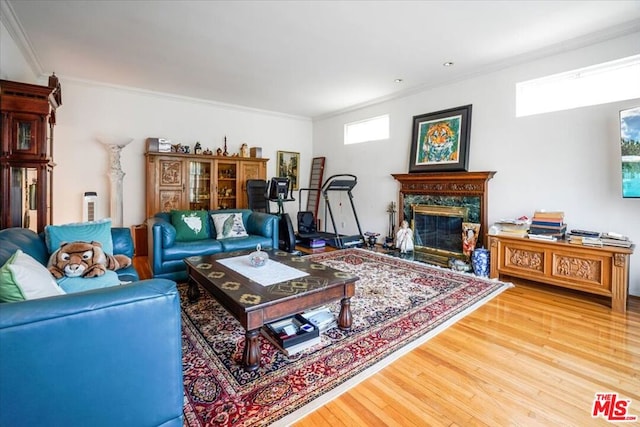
(25, 138)
(23, 203)
(199, 185)
(226, 191)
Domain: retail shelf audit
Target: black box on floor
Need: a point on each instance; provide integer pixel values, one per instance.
(291, 331)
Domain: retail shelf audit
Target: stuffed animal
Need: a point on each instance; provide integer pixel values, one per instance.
(84, 259)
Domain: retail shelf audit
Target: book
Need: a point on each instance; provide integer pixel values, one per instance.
(294, 349)
(614, 236)
(558, 232)
(549, 214)
(547, 223)
(616, 242)
(513, 233)
(545, 237)
(586, 233)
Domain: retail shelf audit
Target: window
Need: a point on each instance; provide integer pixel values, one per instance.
(373, 129)
(599, 84)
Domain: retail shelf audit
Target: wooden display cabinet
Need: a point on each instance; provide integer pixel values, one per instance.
(189, 181)
(26, 164)
(601, 271)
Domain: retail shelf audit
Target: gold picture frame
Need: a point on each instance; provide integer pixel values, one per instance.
(288, 166)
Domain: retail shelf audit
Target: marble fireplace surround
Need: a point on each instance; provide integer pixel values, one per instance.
(459, 189)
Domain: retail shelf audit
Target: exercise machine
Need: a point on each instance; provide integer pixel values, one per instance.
(279, 192)
(335, 183)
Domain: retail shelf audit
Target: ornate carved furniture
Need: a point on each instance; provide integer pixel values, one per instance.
(601, 271)
(188, 181)
(26, 164)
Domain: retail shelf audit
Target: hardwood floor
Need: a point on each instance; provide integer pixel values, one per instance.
(533, 356)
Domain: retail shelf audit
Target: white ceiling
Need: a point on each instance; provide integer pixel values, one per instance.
(306, 58)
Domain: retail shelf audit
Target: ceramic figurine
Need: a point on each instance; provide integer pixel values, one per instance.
(244, 150)
(404, 238)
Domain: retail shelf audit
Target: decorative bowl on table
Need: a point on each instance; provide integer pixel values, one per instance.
(258, 258)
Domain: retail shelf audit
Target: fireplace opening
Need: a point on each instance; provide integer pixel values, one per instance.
(438, 229)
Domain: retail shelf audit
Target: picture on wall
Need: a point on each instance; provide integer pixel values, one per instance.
(287, 167)
(630, 150)
(440, 140)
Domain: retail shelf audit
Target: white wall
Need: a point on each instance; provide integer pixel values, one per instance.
(567, 160)
(92, 110)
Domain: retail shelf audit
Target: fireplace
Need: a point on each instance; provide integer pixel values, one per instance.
(451, 197)
(438, 229)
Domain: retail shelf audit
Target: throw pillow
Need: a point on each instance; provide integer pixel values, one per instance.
(28, 278)
(190, 225)
(80, 284)
(99, 231)
(229, 225)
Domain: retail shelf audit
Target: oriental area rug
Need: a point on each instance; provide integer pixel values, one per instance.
(398, 305)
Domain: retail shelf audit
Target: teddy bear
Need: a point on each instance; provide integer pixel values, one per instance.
(84, 259)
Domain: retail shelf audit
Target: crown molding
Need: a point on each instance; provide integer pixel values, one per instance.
(13, 26)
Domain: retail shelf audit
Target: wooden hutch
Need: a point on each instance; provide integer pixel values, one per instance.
(189, 181)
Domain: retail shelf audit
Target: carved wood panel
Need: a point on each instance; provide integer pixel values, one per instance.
(527, 259)
(171, 173)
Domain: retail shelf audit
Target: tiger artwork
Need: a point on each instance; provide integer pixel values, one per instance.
(438, 144)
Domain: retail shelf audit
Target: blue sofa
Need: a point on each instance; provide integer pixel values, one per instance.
(104, 357)
(166, 255)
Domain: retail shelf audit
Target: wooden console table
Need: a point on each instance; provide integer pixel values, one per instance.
(602, 271)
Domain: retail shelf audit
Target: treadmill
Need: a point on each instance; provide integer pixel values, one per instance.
(338, 183)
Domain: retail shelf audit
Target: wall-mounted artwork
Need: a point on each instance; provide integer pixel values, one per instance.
(287, 167)
(441, 140)
(630, 150)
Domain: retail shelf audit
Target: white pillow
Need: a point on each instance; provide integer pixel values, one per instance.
(33, 278)
(229, 225)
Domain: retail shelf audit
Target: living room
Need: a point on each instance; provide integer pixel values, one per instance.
(565, 160)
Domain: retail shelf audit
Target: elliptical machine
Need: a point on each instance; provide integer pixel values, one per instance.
(279, 192)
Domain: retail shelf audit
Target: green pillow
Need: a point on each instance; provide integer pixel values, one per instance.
(24, 278)
(99, 231)
(190, 225)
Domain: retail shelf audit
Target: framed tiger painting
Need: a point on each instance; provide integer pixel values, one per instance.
(440, 140)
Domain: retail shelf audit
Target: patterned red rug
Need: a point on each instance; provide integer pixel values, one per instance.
(398, 305)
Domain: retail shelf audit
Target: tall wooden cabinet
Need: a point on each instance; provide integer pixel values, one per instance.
(26, 164)
(189, 181)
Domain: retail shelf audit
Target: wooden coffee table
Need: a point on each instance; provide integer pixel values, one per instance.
(255, 305)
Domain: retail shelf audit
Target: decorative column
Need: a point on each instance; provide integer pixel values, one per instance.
(116, 175)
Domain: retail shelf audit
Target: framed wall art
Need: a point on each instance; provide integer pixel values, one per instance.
(440, 140)
(630, 150)
(288, 167)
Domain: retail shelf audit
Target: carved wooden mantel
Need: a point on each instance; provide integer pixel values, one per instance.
(448, 184)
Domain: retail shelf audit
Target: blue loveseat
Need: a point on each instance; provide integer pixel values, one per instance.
(104, 357)
(166, 253)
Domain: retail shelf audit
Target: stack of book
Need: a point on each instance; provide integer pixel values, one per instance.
(615, 239)
(595, 238)
(511, 227)
(584, 237)
(547, 225)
